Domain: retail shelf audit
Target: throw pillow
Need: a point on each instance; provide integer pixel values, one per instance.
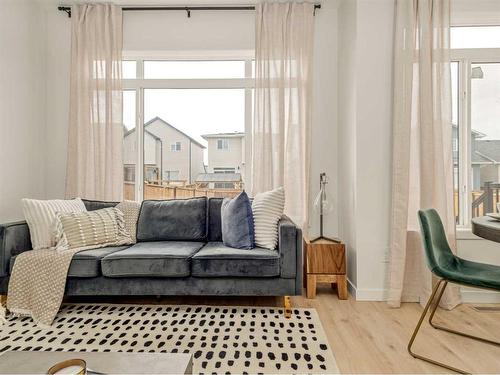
(40, 216)
(267, 210)
(91, 229)
(130, 211)
(237, 222)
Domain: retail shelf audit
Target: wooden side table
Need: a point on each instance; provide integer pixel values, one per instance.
(324, 262)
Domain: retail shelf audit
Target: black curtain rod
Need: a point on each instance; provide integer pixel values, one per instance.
(187, 9)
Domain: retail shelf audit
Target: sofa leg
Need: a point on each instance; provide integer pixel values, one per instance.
(287, 304)
(3, 300)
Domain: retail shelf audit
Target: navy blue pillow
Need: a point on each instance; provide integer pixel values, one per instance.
(237, 222)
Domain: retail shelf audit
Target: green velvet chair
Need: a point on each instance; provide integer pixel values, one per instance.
(449, 269)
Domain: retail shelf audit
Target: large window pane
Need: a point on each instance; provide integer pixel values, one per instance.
(485, 137)
(182, 132)
(475, 37)
(129, 145)
(129, 69)
(193, 69)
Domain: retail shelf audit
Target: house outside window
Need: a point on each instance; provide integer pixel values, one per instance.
(175, 146)
(475, 73)
(222, 144)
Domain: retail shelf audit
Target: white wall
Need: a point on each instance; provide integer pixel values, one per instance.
(22, 105)
(324, 117)
(365, 123)
(346, 140)
(58, 46)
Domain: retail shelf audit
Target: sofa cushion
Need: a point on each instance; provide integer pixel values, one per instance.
(91, 205)
(217, 260)
(173, 220)
(86, 263)
(152, 259)
(214, 219)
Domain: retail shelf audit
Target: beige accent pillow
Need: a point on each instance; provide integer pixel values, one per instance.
(130, 211)
(40, 216)
(91, 229)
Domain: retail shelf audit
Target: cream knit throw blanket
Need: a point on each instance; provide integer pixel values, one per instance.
(37, 283)
(38, 279)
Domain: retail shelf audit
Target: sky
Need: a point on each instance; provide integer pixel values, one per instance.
(485, 92)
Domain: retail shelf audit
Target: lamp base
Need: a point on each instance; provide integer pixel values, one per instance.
(336, 240)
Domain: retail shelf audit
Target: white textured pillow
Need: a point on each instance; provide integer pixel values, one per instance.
(267, 210)
(40, 216)
(130, 211)
(90, 229)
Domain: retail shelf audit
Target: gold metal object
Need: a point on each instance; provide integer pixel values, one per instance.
(433, 308)
(287, 307)
(67, 363)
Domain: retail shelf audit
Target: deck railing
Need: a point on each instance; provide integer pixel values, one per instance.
(484, 200)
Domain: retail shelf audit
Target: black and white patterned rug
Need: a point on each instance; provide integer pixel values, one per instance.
(222, 339)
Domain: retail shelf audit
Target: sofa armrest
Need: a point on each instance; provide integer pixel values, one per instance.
(290, 248)
(14, 239)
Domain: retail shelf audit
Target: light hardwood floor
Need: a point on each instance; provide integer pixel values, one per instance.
(370, 337)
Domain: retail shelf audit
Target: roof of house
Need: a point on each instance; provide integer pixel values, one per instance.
(218, 177)
(488, 151)
(166, 123)
(224, 135)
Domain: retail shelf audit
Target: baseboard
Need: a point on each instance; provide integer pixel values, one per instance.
(479, 296)
(468, 295)
(366, 294)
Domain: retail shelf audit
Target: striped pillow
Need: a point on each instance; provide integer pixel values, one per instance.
(40, 216)
(91, 229)
(267, 210)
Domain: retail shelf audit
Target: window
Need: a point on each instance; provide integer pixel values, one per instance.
(222, 144)
(130, 150)
(476, 109)
(224, 170)
(175, 146)
(187, 105)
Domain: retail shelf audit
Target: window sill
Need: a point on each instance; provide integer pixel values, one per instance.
(464, 233)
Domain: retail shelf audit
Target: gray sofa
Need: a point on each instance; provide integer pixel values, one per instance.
(178, 252)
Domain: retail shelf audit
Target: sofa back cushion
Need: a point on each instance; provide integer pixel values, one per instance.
(173, 220)
(92, 205)
(214, 220)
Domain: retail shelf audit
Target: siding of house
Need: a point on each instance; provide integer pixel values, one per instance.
(233, 157)
(159, 153)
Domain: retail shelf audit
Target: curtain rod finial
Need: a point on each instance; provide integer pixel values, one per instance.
(65, 9)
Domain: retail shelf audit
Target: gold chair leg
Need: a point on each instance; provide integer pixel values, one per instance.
(446, 329)
(419, 324)
(287, 304)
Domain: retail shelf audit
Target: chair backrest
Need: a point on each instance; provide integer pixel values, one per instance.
(437, 249)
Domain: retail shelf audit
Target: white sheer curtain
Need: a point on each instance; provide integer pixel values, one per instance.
(422, 144)
(282, 114)
(95, 166)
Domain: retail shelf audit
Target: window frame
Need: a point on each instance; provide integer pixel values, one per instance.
(224, 142)
(139, 84)
(175, 146)
(465, 58)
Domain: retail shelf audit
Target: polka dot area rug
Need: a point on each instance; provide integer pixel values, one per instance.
(224, 339)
